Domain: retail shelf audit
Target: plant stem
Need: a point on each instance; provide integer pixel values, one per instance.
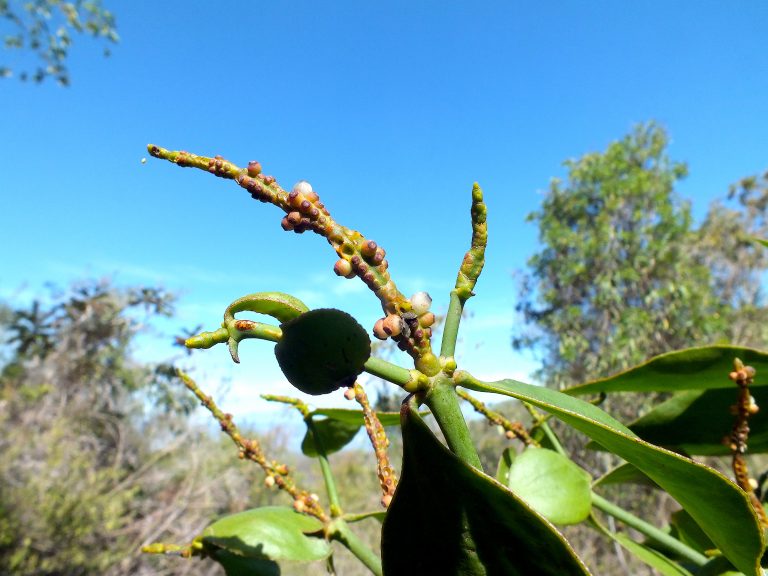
(388, 371)
(342, 533)
(325, 468)
(444, 404)
(670, 543)
(451, 327)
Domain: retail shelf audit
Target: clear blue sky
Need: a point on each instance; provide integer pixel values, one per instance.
(391, 110)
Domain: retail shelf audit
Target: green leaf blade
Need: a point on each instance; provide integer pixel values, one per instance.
(448, 518)
(552, 485)
(728, 520)
(269, 533)
(701, 368)
(333, 436)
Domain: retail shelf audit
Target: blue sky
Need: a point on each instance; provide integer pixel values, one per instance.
(391, 110)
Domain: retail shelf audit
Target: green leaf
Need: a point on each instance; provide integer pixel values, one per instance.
(762, 241)
(685, 529)
(697, 421)
(624, 474)
(665, 566)
(448, 518)
(701, 368)
(377, 514)
(269, 533)
(552, 485)
(718, 506)
(356, 416)
(235, 565)
(718, 566)
(322, 350)
(652, 557)
(333, 435)
(505, 463)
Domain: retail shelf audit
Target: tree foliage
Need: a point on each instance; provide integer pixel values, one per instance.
(616, 280)
(45, 29)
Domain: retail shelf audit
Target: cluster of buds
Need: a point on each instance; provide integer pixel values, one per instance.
(306, 212)
(415, 323)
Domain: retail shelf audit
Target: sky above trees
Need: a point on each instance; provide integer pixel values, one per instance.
(390, 111)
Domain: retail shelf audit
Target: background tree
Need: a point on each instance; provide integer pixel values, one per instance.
(725, 244)
(45, 27)
(99, 455)
(616, 281)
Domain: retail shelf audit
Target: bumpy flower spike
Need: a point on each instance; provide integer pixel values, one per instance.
(474, 259)
(745, 407)
(358, 255)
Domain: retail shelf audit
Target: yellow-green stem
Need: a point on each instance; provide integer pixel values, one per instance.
(444, 404)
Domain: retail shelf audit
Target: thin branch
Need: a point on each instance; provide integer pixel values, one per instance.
(512, 429)
(277, 474)
(380, 443)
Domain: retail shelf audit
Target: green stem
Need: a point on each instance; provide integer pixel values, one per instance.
(670, 543)
(388, 371)
(325, 468)
(451, 327)
(444, 404)
(342, 533)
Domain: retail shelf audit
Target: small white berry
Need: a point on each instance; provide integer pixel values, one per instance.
(303, 187)
(420, 302)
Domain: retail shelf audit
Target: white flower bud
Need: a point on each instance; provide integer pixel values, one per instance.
(303, 187)
(420, 302)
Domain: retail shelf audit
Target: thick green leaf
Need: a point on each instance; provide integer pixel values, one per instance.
(762, 241)
(322, 350)
(269, 533)
(691, 369)
(448, 518)
(717, 505)
(235, 565)
(356, 416)
(552, 485)
(624, 474)
(697, 421)
(333, 435)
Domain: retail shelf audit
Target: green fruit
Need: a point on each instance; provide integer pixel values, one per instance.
(322, 350)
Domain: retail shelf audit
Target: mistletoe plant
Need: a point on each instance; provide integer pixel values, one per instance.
(446, 515)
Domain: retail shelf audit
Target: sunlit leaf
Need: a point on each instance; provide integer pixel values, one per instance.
(552, 485)
(322, 350)
(701, 368)
(728, 519)
(269, 533)
(448, 518)
(333, 435)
